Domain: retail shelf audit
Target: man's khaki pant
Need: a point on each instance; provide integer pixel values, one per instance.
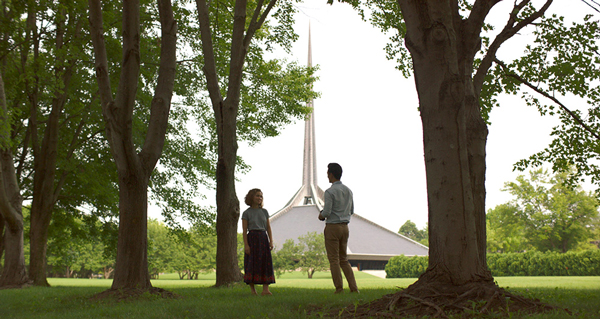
(336, 243)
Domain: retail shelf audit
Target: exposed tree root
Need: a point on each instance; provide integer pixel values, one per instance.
(134, 293)
(439, 300)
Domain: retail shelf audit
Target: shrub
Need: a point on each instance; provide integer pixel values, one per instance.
(532, 263)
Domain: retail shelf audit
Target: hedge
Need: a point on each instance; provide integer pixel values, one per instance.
(533, 263)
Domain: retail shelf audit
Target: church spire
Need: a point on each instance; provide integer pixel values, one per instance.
(310, 193)
(309, 176)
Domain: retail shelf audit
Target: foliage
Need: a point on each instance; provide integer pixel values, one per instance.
(535, 263)
(557, 73)
(532, 263)
(406, 267)
(308, 255)
(80, 246)
(410, 230)
(562, 68)
(188, 253)
(546, 214)
(505, 230)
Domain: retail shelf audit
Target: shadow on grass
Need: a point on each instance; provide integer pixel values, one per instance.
(292, 298)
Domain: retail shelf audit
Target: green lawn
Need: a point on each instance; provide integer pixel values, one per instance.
(294, 294)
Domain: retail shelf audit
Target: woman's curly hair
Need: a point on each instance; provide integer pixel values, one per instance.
(250, 196)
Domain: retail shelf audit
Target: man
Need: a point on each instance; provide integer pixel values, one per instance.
(338, 208)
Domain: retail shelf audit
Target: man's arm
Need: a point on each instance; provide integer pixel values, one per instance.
(328, 198)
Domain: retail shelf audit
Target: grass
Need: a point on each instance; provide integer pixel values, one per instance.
(294, 295)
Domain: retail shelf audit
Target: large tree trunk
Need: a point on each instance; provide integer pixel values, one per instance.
(14, 273)
(134, 168)
(443, 45)
(132, 260)
(454, 155)
(38, 237)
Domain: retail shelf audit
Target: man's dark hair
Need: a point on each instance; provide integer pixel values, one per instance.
(335, 169)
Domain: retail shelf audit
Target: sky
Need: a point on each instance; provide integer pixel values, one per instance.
(367, 121)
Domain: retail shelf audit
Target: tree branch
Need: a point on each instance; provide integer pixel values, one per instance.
(577, 119)
(161, 103)
(210, 67)
(509, 30)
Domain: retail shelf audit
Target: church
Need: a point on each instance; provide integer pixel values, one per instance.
(370, 245)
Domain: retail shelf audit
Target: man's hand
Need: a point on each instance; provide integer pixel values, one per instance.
(321, 218)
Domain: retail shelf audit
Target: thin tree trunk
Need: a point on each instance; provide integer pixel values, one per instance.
(2, 224)
(228, 206)
(45, 189)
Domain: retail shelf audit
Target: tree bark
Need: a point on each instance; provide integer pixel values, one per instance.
(14, 272)
(134, 169)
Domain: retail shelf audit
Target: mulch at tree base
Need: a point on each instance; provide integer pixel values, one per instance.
(438, 300)
(128, 294)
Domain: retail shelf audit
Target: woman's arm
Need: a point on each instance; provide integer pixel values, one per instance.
(245, 235)
(270, 234)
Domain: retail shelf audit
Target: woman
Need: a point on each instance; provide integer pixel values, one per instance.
(258, 243)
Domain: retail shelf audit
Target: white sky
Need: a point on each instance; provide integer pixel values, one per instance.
(367, 121)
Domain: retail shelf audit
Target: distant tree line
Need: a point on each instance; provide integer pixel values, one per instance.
(79, 248)
(547, 213)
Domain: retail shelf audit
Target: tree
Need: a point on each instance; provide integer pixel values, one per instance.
(236, 35)
(505, 230)
(287, 258)
(161, 248)
(450, 59)
(410, 230)
(134, 164)
(561, 69)
(313, 255)
(553, 215)
(55, 133)
(78, 246)
(14, 273)
(308, 255)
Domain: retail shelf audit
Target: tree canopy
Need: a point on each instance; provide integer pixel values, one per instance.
(546, 214)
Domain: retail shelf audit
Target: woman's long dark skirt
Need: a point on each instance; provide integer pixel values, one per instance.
(258, 266)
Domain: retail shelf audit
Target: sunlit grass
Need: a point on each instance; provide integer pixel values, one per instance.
(294, 295)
